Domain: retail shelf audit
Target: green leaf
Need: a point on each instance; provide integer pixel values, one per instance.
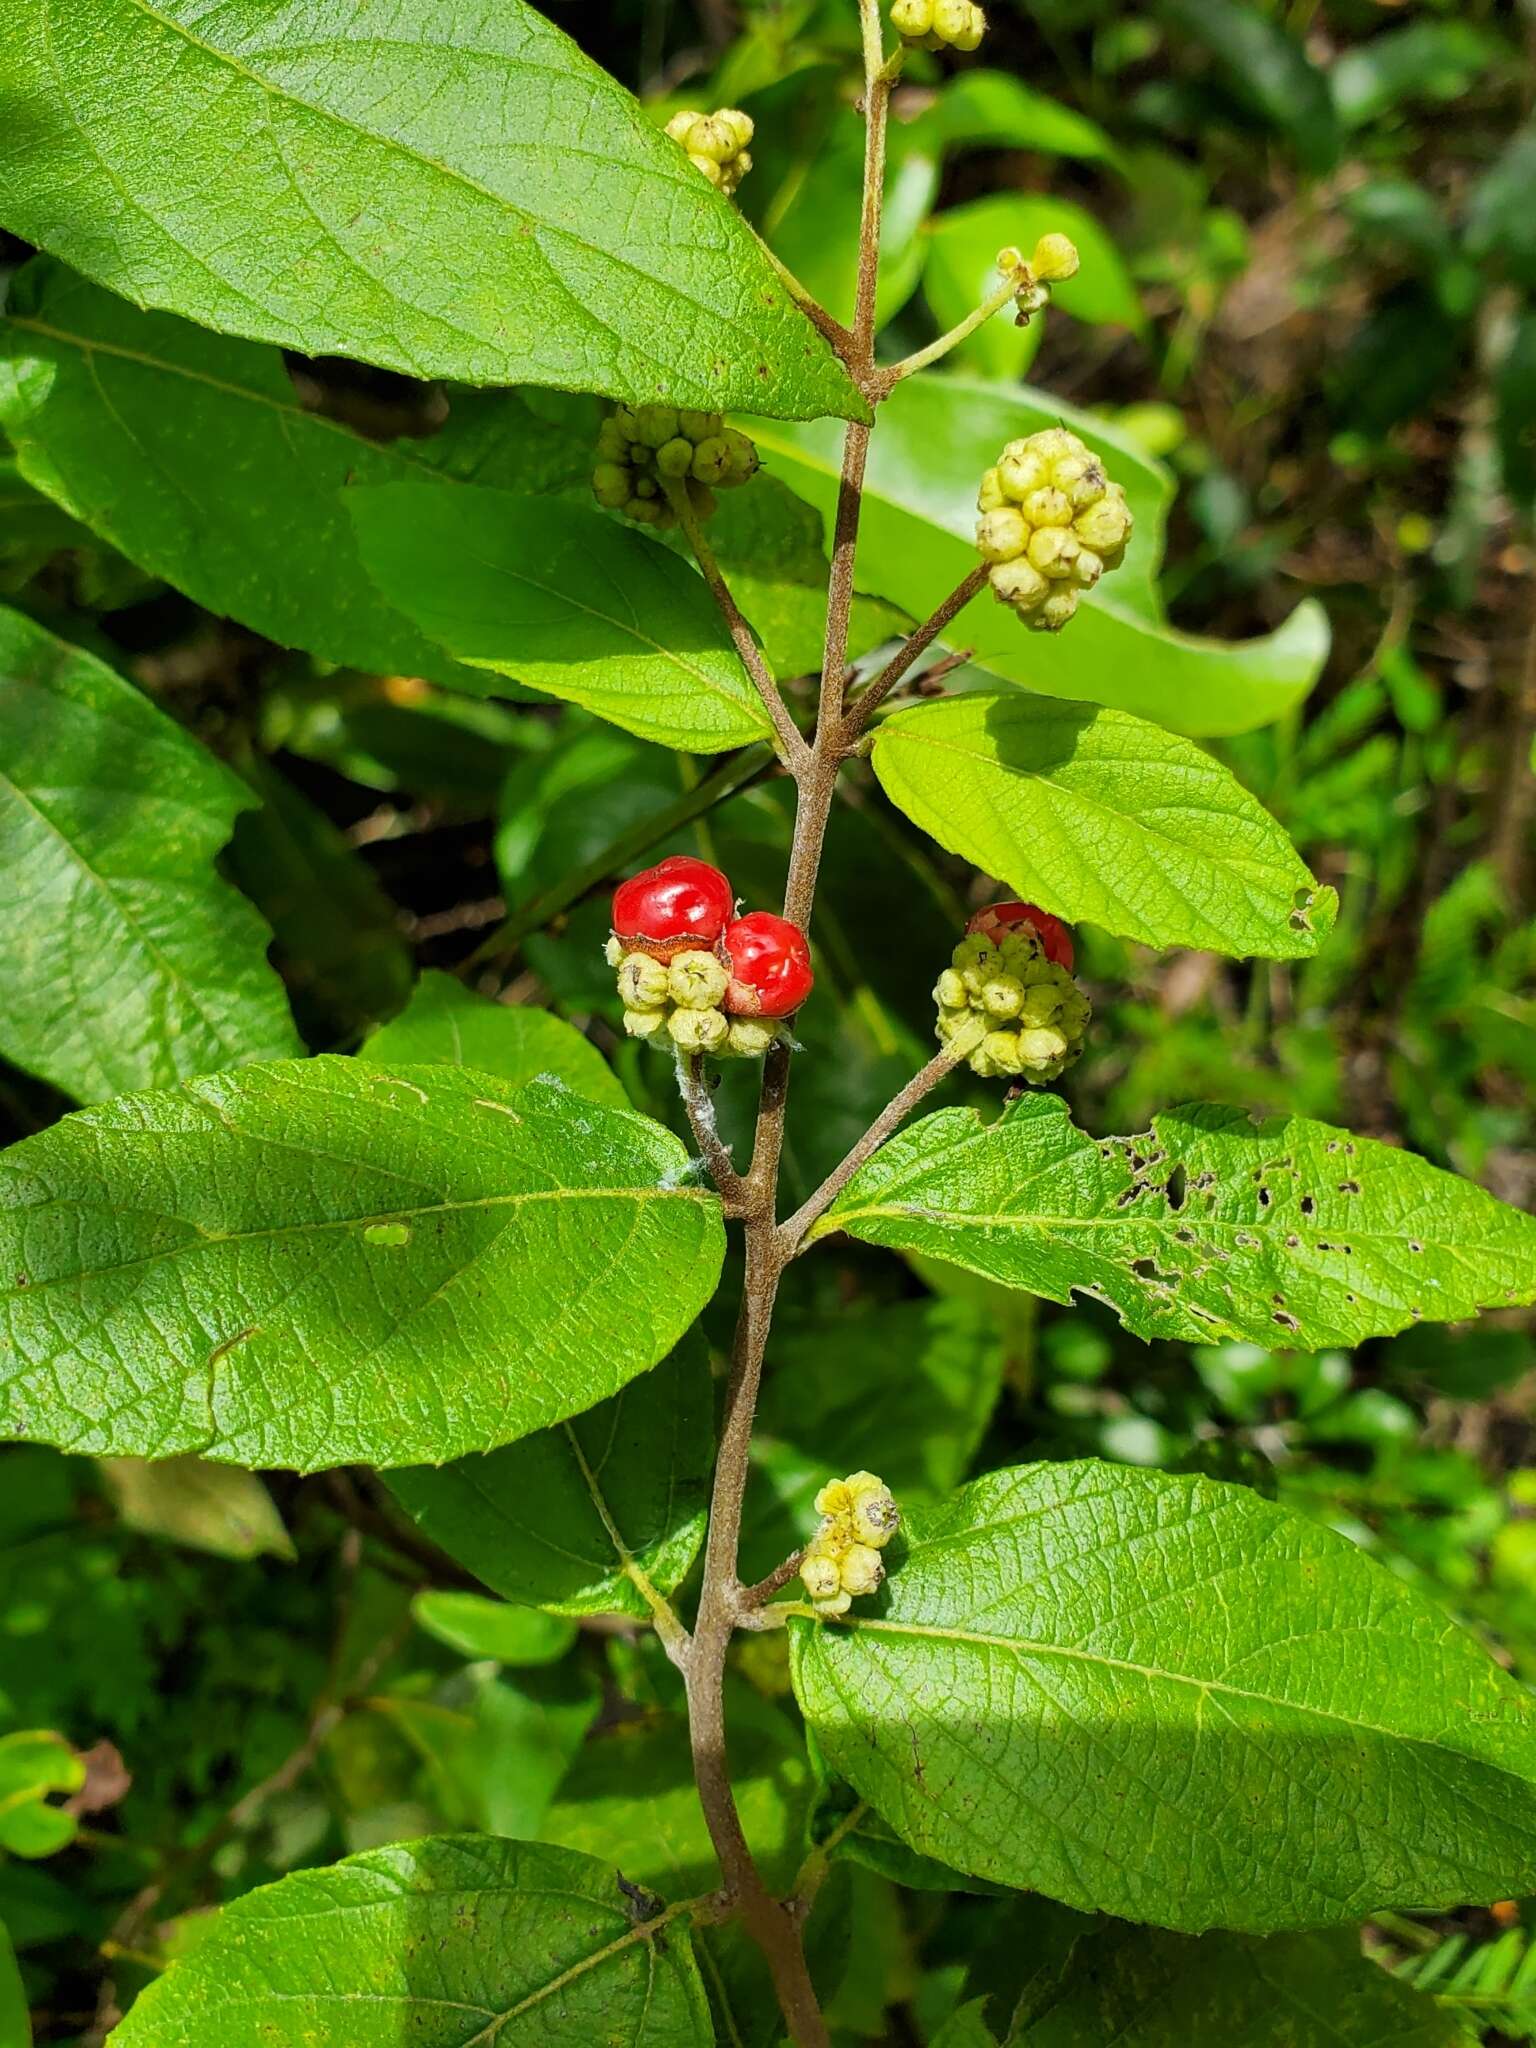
(175, 445)
(433, 1942)
(1499, 223)
(388, 182)
(1143, 1989)
(494, 1751)
(126, 960)
(447, 1024)
(15, 2021)
(938, 433)
(477, 1627)
(979, 109)
(34, 1763)
(567, 600)
(186, 1500)
(1103, 817)
(1268, 71)
(320, 1261)
(1423, 60)
(1210, 1226)
(967, 2028)
(578, 1517)
(1069, 1659)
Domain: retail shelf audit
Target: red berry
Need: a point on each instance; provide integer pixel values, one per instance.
(770, 966)
(674, 907)
(999, 918)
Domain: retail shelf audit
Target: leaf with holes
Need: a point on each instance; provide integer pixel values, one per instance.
(441, 1942)
(126, 959)
(324, 1261)
(1210, 1226)
(567, 600)
(1170, 1700)
(447, 1024)
(1099, 816)
(582, 1517)
(449, 197)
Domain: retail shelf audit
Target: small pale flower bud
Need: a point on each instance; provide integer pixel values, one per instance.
(1000, 1049)
(1022, 469)
(950, 990)
(1038, 1047)
(751, 1037)
(613, 949)
(1054, 613)
(862, 1570)
(1017, 583)
(643, 982)
(1048, 507)
(697, 980)
(912, 18)
(820, 1575)
(991, 497)
(680, 127)
(655, 424)
(1055, 259)
(698, 1030)
(873, 1509)
(1106, 525)
(1002, 535)
(675, 457)
(1053, 549)
(644, 1023)
(610, 485)
(1087, 569)
(1003, 998)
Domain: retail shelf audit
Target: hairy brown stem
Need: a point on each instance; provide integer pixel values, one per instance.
(723, 1602)
(701, 1119)
(869, 700)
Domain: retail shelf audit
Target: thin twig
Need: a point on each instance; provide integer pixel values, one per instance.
(706, 1133)
(781, 1575)
(869, 700)
(994, 302)
(896, 1111)
(792, 748)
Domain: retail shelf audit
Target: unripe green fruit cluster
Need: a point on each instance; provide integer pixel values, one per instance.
(643, 448)
(842, 1560)
(677, 1002)
(1051, 524)
(716, 143)
(939, 24)
(1008, 1010)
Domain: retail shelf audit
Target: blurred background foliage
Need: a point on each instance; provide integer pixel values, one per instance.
(1308, 289)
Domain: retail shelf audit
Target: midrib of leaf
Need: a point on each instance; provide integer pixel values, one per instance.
(629, 626)
(89, 347)
(1139, 820)
(393, 142)
(141, 938)
(1209, 1687)
(206, 1237)
(629, 1565)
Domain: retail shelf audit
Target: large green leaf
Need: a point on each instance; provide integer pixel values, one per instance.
(937, 434)
(1210, 1226)
(580, 1517)
(324, 1260)
(126, 960)
(176, 445)
(1173, 1701)
(447, 1024)
(393, 182)
(443, 1942)
(1100, 816)
(565, 599)
(1142, 1989)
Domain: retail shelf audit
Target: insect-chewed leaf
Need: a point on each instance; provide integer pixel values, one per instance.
(1097, 815)
(1068, 1659)
(322, 1260)
(441, 1942)
(126, 960)
(449, 197)
(1289, 1233)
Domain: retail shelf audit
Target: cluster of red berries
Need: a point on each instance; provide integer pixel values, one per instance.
(691, 970)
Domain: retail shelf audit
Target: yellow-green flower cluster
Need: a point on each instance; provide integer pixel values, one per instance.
(1055, 259)
(939, 24)
(1051, 524)
(716, 143)
(842, 1560)
(643, 448)
(677, 1002)
(1008, 1010)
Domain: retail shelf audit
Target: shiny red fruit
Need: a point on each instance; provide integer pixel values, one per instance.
(999, 918)
(679, 904)
(770, 966)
